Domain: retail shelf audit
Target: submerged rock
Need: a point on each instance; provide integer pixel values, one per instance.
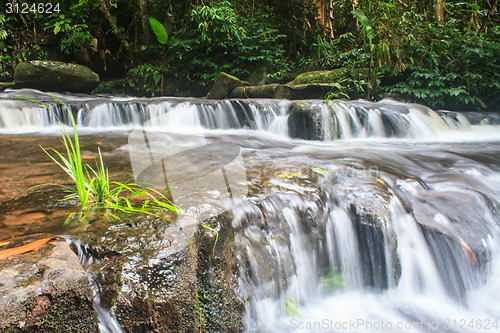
(223, 86)
(55, 75)
(45, 291)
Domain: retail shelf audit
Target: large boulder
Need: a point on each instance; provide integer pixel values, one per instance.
(45, 291)
(55, 75)
(351, 81)
(223, 86)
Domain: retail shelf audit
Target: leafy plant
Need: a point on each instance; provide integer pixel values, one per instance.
(217, 24)
(360, 15)
(333, 281)
(145, 78)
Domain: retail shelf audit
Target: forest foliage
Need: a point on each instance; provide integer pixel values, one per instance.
(445, 54)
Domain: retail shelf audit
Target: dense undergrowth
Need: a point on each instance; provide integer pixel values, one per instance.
(445, 60)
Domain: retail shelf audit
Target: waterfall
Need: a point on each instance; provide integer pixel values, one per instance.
(317, 265)
(339, 120)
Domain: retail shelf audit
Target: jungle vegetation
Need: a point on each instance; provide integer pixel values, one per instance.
(445, 54)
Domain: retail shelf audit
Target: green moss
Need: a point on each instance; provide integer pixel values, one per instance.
(334, 76)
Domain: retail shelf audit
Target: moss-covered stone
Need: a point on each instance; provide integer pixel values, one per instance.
(55, 75)
(45, 291)
(223, 86)
(5, 85)
(264, 91)
(330, 77)
(285, 91)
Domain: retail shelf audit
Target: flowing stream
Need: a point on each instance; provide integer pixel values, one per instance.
(388, 222)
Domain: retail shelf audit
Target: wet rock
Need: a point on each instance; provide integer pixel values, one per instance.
(45, 291)
(150, 274)
(304, 122)
(223, 86)
(55, 75)
(221, 304)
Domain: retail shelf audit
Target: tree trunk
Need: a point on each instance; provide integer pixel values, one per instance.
(105, 10)
(144, 17)
(325, 11)
(438, 10)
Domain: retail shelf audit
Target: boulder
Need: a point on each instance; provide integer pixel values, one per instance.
(45, 291)
(330, 76)
(285, 91)
(157, 275)
(263, 91)
(5, 85)
(350, 81)
(55, 75)
(223, 86)
(305, 122)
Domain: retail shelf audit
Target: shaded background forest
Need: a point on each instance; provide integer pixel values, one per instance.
(445, 54)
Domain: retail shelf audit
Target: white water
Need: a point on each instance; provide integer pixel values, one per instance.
(107, 322)
(285, 268)
(341, 120)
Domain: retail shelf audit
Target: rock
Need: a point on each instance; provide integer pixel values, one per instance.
(350, 81)
(5, 85)
(305, 122)
(223, 86)
(333, 76)
(55, 75)
(285, 91)
(263, 91)
(45, 291)
(158, 276)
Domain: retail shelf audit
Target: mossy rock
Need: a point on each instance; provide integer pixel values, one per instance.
(285, 91)
(5, 85)
(55, 76)
(330, 77)
(223, 86)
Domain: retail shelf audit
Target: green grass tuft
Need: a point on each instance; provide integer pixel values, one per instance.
(94, 190)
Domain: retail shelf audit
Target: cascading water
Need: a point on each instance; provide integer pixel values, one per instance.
(341, 120)
(107, 322)
(388, 223)
(314, 264)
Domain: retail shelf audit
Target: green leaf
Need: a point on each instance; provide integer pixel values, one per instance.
(366, 25)
(159, 30)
